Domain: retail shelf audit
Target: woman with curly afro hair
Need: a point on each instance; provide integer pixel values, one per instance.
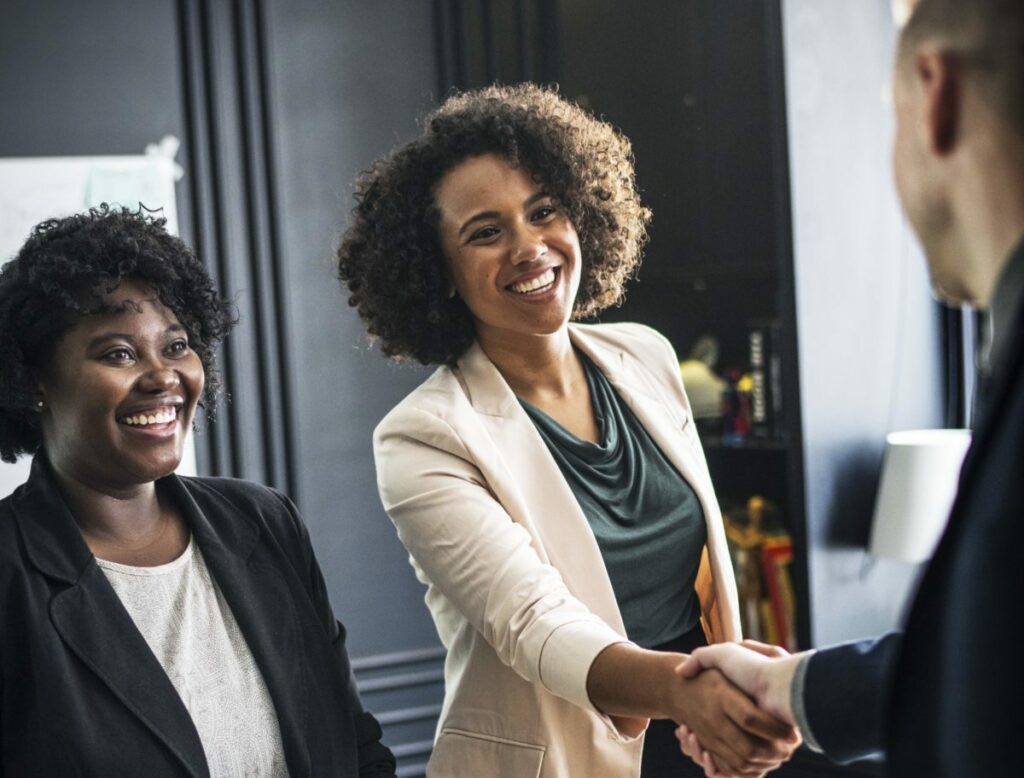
(151, 624)
(547, 479)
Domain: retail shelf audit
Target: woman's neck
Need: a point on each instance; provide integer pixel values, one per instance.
(128, 525)
(536, 366)
(546, 372)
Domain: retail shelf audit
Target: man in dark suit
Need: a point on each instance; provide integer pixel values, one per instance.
(942, 698)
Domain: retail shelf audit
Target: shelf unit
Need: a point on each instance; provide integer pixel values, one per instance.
(709, 135)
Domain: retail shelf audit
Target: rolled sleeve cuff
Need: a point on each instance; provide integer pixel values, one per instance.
(796, 702)
(566, 658)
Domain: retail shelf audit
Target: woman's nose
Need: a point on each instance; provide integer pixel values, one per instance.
(528, 246)
(159, 378)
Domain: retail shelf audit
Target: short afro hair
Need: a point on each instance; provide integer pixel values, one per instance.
(63, 273)
(391, 259)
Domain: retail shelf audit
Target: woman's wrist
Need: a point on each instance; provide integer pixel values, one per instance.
(671, 697)
(626, 680)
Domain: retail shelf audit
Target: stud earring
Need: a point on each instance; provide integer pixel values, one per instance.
(39, 404)
(451, 292)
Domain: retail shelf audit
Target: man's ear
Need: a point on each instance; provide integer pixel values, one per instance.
(940, 82)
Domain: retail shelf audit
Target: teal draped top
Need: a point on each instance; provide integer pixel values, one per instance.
(647, 520)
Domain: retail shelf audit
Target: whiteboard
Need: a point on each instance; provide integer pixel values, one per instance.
(33, 189)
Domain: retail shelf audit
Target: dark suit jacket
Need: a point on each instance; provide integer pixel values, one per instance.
(81, 694)
(952, 707)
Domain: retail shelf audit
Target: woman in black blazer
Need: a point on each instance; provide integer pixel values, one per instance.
(150, 624)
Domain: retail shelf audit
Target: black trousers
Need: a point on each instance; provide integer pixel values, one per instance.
(662, 757)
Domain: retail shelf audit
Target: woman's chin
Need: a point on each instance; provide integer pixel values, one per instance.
(154, 470)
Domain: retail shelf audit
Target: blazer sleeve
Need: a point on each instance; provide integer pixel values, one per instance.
(482, 561)
(375, 759)
(846, 696)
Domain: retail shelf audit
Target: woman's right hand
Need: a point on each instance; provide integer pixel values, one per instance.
(742, 739)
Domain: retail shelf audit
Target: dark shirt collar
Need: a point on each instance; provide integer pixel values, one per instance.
(1006, 304)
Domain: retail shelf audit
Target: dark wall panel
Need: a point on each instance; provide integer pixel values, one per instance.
(689, 83)
(278, 105)
(347, 83)
(88, 78)
(77, 78)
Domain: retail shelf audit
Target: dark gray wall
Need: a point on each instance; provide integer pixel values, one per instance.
(64, 91)
(869, 341)
(347, 81)
(346, 86)
(688, 82)
(279, 104)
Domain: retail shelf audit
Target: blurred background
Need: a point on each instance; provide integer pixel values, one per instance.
(779, 264)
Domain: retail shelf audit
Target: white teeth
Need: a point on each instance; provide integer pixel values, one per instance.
(145, 419)
(545, 279)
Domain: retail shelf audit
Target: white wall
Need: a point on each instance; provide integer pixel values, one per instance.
(867, 326)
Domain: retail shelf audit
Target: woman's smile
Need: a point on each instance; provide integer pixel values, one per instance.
(159, 420)
(535, 285)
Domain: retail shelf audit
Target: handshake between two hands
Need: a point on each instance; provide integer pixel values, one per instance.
(747, 741)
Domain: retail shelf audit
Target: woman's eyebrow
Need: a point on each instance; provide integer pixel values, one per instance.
(104, 337)
(534, 198)
(494, 214)
(477, 217)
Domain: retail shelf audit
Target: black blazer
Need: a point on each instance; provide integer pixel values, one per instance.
(81, 694)
(952, 707)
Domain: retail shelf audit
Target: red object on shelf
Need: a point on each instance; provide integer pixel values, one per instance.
(776, 554)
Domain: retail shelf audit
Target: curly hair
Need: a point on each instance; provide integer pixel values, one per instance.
(390, 257)
(63, 273)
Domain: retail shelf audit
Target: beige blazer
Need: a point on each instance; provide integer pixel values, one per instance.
(515, 581)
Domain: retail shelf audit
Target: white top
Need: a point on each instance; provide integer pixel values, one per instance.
(182, 614)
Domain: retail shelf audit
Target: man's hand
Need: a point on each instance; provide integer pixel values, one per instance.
(745, 741)
(764, 672)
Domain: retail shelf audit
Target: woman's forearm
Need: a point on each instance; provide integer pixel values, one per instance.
(626, 680)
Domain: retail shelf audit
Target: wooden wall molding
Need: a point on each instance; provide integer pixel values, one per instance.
(234, 216)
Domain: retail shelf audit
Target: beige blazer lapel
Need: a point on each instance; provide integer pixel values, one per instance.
(660, 421)
(668, 429)
(527, 481)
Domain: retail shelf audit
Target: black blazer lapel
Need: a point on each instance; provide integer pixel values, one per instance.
(261, 603)
(93, 623)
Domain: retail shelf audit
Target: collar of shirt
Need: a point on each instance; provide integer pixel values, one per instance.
(1006, 302)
